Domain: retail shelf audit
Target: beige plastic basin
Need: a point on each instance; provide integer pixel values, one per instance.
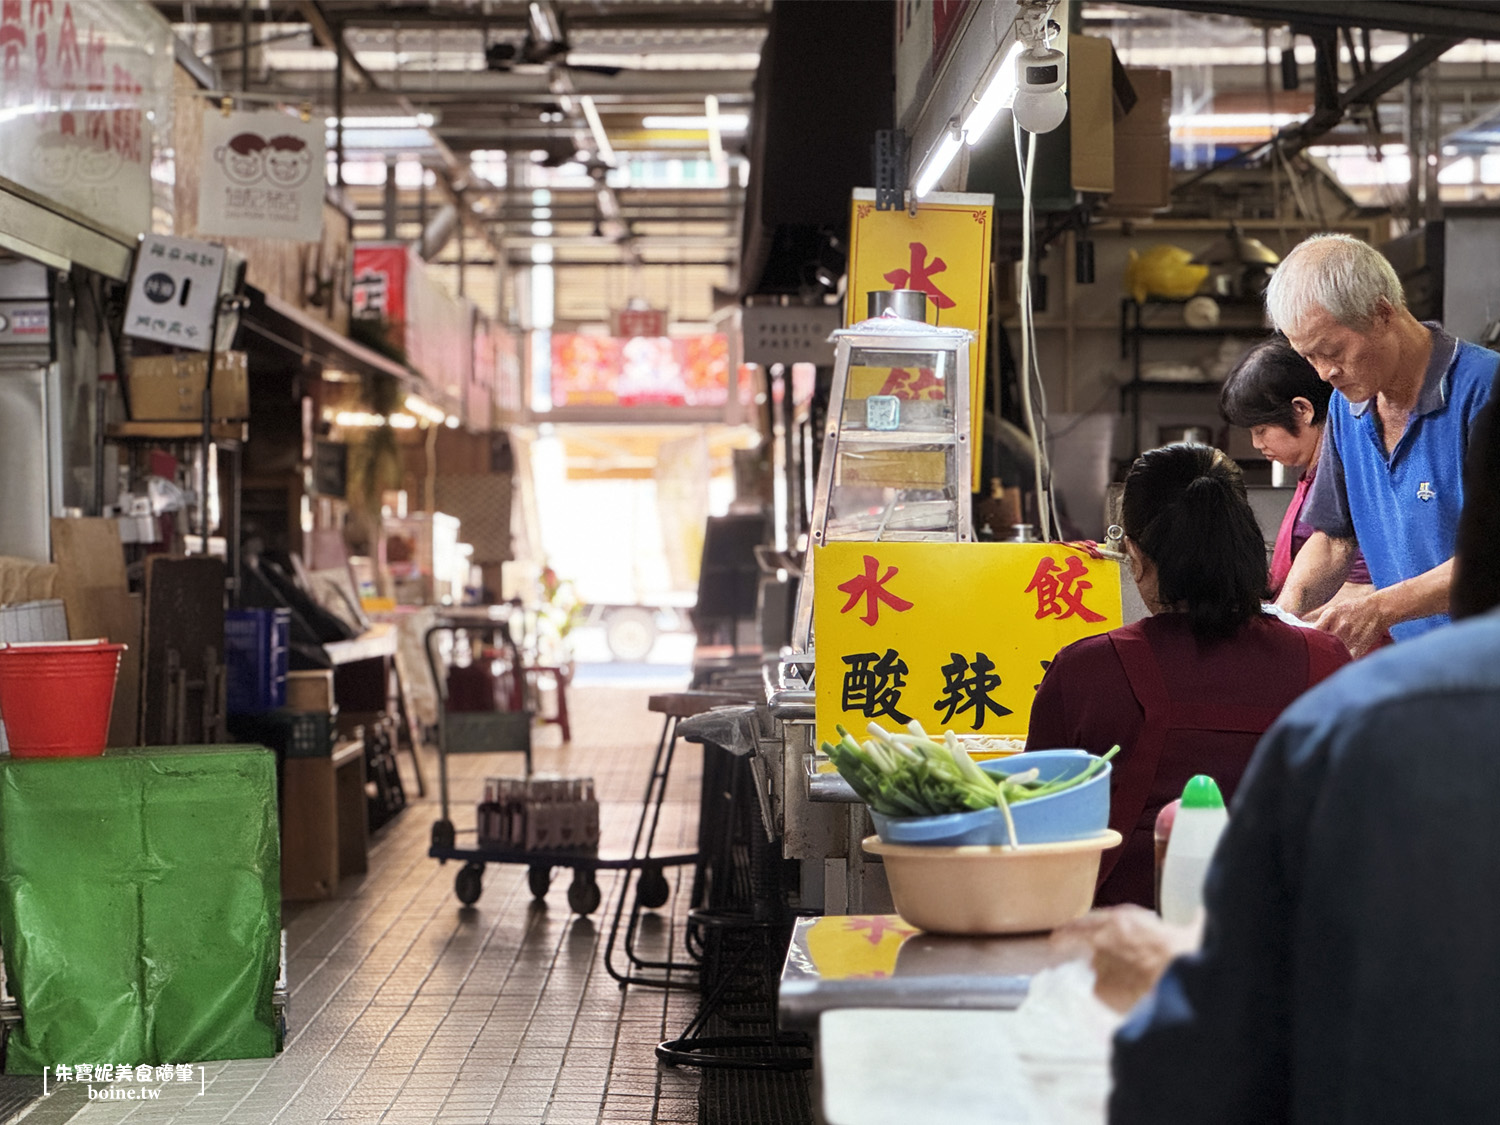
(992, 890)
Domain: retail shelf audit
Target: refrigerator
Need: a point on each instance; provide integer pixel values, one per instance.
(30, 413)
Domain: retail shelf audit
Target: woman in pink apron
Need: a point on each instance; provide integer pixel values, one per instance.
(1275, 394)
(1191, 688)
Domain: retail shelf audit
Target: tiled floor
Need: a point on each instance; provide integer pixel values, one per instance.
(406, 1008)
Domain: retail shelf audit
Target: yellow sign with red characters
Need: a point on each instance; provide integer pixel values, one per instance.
(943, 250)
(954, 635)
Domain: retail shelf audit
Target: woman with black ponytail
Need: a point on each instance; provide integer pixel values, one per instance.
(1191, 688)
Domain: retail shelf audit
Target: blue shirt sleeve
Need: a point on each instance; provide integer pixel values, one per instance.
(1327, 504)
(1211, 1043)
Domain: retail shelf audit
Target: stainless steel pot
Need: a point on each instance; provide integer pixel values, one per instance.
(909, 304)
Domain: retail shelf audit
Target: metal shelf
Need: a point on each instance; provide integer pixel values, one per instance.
(1217, 330)
(911, 439)
(221, 432)
(1188, 385)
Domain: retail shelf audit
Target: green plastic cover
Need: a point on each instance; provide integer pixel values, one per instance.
(140, 909)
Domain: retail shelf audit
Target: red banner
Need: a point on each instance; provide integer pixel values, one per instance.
(380, 283)
(644, 371)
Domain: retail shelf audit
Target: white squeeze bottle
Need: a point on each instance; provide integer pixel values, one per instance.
(1200, 822)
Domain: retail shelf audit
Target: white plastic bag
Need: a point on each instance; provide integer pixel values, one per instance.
(1063, 1034)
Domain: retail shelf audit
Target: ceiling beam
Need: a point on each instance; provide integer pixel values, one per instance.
(615, 16)
(1368, 88)
(1478, 19)
(477, 85)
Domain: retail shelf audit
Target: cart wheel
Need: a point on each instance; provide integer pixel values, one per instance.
(539, 878)
(442, 834)
(583, 892)
(652, 891)
(469, 883)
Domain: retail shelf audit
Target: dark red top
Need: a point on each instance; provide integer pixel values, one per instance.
(1086, 701)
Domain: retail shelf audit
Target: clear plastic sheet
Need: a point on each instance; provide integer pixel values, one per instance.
(734, 729)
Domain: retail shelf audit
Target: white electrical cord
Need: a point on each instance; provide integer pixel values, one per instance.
(1028, 339)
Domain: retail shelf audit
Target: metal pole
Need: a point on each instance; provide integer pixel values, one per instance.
(244, 44)
(340, 57)
(392, 201)
(461, 238)
(208, 423)
(1433, 104)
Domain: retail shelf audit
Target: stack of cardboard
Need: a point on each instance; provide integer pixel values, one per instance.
(1143, 146)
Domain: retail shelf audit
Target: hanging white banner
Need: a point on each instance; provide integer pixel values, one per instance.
(85, 88)
(262, 176)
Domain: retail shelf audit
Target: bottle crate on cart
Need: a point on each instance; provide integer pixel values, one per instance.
(539, 814)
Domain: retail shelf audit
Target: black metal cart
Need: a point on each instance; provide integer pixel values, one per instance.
(488, 732)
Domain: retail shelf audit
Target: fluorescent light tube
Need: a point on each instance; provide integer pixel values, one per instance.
(715, 138)
(728, 122)
(998, 95)
(938, 162)
(596, 127)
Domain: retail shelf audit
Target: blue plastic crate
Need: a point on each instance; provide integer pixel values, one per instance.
(256, 645)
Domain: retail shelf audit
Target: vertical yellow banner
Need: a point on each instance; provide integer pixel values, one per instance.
(943, 250)
(954, 635)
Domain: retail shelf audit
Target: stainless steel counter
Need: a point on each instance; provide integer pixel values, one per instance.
(878, 961)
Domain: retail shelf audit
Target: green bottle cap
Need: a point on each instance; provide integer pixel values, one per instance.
(1202, 793)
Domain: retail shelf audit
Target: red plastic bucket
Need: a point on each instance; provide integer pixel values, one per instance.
(55, 699)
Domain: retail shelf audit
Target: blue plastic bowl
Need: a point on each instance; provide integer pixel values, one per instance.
(1074, 814)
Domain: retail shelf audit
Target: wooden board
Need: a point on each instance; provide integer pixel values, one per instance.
(309, 830)
(184, 614)
(91, 582)
(89, 555)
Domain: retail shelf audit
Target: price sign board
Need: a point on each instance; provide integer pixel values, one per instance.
(943, 250)
(954, 635)
(173, 292)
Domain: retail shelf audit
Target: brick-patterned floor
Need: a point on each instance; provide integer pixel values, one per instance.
(407, 1009)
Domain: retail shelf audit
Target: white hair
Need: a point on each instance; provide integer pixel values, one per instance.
(1340, 274)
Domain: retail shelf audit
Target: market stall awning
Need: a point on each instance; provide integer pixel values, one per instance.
(58, 236)
(281, 324)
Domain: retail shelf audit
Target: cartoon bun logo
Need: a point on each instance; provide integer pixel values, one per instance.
(288, 161)
(55, 158)
(243, 158)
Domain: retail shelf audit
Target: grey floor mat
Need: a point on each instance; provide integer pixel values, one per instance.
(17, 1091)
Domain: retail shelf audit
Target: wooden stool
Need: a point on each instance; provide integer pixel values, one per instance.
(562, 676)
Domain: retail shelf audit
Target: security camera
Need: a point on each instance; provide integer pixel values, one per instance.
(1041, 103)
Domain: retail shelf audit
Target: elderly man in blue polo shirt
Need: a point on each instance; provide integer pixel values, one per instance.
(1390, 478)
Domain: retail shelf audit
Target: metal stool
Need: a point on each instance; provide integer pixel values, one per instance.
(741, 926)
(651, 888)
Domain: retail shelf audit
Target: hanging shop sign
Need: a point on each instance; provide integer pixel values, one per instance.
(380, 282)
(954, 635)
(789, 334)
(262, 176)
(633, 321)
(85, 87)
(943, 250)
(174, 290)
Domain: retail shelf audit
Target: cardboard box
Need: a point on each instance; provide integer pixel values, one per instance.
(1091, 111)
(311, 690)
(169, 388)
(1143, 146)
